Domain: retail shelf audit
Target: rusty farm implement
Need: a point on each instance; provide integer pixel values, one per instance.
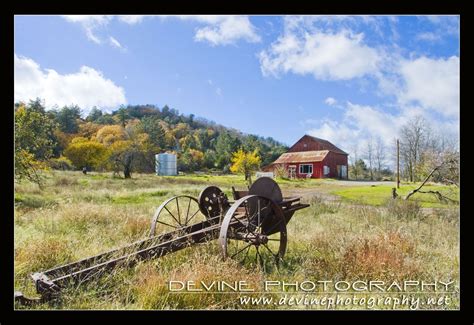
(251, 229)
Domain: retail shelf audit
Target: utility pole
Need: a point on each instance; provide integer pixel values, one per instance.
(398, 163)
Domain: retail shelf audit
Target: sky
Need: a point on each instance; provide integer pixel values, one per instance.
(346, 79)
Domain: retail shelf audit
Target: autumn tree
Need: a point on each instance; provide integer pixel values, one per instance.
(122, 156)
(86, 153)
(245, 163)
(34, 141)
(191, 160)
(127, 146)
(88, 129)
(109, 134)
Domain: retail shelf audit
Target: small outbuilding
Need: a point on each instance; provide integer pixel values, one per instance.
(311, 157)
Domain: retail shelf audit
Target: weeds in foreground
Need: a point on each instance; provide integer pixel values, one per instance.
(329, 240)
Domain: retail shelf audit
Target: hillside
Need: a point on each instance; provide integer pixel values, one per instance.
(129, 137)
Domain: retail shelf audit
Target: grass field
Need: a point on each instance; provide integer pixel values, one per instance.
(377, 195)
(77, 216)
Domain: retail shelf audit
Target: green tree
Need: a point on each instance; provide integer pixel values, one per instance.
(122, 116)
(105, 119)
(359, 170)
(94, 114)
(225, 146)
(209, 160)
(67, 119)
(251, 142)
(151, 125)
(34, 141)
(191, 160)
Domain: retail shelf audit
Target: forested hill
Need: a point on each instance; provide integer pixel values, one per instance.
(130, 135)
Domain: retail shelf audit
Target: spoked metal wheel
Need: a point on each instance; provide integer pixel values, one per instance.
(175, 213)
(253, 232)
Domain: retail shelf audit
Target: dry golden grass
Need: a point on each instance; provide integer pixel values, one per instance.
(77, 216)
(385, 257)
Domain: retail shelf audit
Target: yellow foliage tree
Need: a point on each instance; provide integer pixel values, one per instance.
(88, 129)
(86, 153)
(111, 133)
(245, 163)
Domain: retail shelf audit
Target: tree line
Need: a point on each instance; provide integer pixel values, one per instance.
(126, 140)
(421, 150)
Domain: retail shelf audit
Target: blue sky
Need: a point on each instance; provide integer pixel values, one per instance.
(343, 78)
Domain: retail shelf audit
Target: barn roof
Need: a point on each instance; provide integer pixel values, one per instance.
(325, 144)
(302, 157)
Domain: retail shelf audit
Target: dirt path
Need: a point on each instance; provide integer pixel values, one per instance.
(306, 193)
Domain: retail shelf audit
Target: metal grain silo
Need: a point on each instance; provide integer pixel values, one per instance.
(166, 164)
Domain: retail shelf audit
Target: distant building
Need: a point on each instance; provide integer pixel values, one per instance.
(311, 157)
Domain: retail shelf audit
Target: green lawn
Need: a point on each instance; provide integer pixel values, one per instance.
(378, 194)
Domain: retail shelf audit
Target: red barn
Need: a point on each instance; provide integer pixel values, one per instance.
(311, 157)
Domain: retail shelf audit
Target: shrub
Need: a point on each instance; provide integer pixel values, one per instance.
(385, 256)
(319, 205)
(404, 209)
(61, 163)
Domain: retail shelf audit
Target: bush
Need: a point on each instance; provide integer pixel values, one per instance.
(404, 209)
(61, 163)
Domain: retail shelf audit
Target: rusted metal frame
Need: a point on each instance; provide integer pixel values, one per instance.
(295, 207)
(138, 245)
(289, 201)
(45, 285)
(157, 251)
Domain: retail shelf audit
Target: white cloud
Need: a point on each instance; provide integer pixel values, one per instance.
(86, 88)
(434, 83)
(217, 29)
(226, 30)
(374, 121)
(362, 122)
(217, 89)
(90, 23)
(428, 36)
(113, 41)
(338, 133)
(327, 56)
(132, 19)
(330, 101)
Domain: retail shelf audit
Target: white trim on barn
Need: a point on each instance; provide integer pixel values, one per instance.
(310, 170)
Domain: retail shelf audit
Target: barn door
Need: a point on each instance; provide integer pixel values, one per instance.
(292, 171)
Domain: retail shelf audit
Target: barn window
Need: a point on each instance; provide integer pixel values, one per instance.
(326, 170)
(306, 168)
